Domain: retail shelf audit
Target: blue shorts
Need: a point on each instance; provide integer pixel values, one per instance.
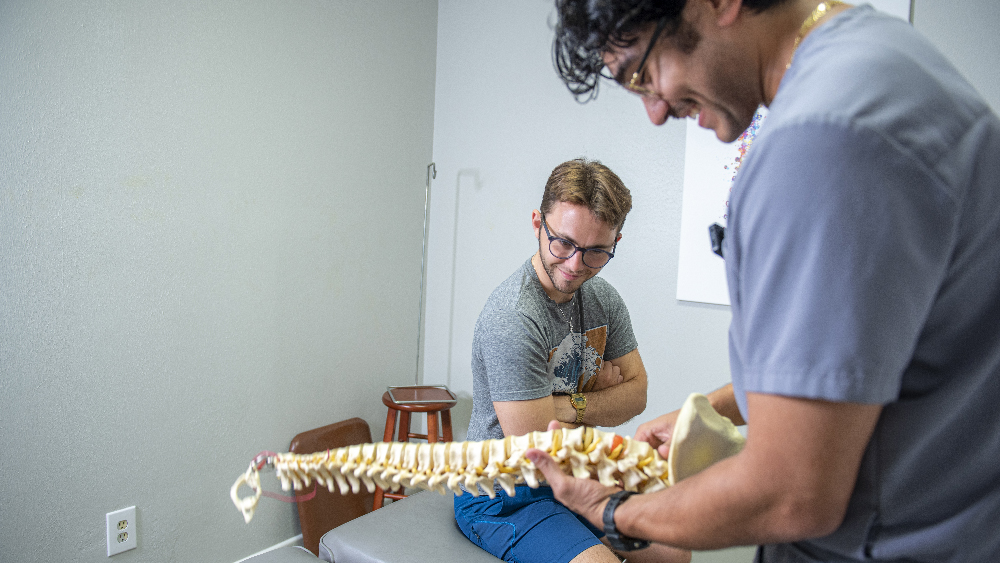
(532, 526)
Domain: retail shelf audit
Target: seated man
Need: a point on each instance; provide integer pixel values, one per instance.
(555, 342)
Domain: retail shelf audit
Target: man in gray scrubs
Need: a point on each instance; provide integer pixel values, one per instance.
(862, 258)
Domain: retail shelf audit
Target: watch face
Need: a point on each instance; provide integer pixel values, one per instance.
(579, 402)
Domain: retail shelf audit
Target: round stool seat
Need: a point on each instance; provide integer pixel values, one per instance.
(417, 407)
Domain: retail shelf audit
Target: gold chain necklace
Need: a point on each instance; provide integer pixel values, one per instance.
(814, 17)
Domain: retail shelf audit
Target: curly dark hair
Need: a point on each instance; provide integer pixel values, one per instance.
(586, 29)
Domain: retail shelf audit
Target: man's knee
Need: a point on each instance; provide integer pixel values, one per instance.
(596, 554)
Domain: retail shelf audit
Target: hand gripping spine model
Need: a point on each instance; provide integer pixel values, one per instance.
(701, 437)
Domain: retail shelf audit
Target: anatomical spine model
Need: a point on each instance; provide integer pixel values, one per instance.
(701, 437)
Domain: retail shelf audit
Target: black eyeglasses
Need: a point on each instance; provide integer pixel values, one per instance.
(635, 85)
(564, 250)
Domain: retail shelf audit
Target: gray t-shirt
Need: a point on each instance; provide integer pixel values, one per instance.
(523, 348)
(863, 260)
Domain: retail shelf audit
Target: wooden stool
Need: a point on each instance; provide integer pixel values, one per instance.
(431, 399)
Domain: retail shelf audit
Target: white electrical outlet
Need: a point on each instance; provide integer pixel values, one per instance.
(121, 530)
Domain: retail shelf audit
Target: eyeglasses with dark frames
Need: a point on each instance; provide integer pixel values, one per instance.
(564, 250)
(635, 85)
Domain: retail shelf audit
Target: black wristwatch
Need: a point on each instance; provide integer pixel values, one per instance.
(617, 541)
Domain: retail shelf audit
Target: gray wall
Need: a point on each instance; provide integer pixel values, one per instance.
(210, 224)
(503, 120)
(966, 32)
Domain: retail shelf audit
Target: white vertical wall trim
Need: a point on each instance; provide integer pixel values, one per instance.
(293, 541)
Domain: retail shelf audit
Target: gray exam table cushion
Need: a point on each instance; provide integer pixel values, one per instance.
(418, 529)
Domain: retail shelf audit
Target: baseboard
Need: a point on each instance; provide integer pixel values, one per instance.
(297, 540)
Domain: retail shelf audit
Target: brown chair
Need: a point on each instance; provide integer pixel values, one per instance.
(431, 399)
(327, 510)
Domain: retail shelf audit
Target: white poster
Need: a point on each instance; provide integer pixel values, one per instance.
(709, 169)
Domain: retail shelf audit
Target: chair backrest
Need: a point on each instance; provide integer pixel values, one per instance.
(327, 510)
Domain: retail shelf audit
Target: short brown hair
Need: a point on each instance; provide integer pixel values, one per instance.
(589, 183)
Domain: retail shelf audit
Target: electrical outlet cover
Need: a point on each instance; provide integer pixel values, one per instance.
(122, 532)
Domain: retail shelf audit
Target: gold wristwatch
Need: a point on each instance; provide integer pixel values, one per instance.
(579, 402)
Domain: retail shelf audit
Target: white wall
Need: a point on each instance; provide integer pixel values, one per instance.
(503, 120)
(210, 223)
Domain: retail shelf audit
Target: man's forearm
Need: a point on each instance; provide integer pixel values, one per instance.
(793, 480)
(608, 407)
(725, 505)
(724, 402)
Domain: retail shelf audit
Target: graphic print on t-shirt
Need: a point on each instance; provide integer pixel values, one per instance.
(564, 365)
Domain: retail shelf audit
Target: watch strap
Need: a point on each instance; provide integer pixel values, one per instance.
(616, 540)
(580, 410)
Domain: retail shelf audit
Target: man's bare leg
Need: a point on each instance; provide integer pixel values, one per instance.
(655, 553)
(596, 554)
